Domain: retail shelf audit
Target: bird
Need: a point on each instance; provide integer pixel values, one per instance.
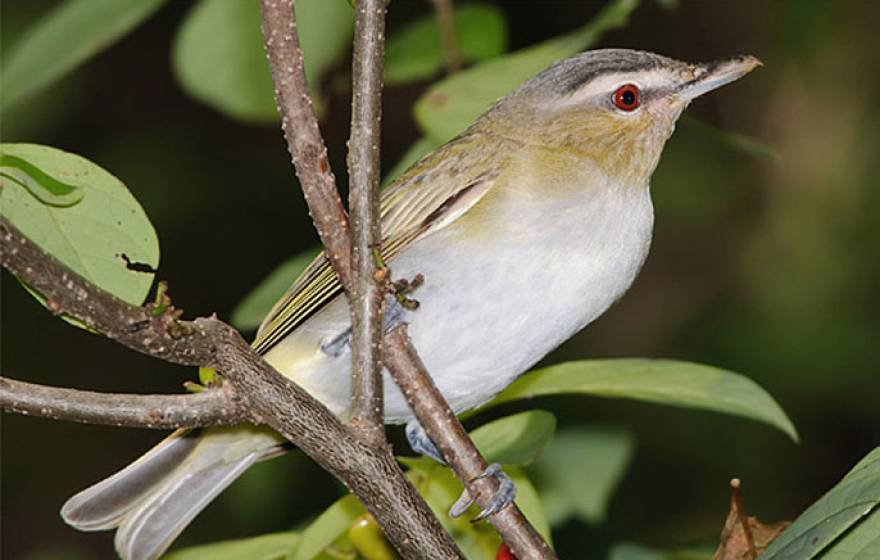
(526, 227)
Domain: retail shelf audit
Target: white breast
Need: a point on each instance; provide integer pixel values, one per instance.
(490, 311)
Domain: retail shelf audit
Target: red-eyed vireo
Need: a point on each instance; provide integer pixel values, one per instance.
(526, 228)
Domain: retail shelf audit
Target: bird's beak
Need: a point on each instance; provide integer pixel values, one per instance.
(713, 75)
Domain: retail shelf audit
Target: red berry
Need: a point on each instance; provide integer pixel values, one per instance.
(504, 553)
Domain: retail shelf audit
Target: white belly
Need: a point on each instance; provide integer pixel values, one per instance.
(491, 310)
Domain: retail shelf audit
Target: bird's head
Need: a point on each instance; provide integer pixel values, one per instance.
(615, 106)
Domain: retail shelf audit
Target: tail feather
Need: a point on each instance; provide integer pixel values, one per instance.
(150, 529)
(152, 500)
(103, 505)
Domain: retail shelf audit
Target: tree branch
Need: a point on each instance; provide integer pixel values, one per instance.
(446, 25)
(304, 142)
(309, 156)
(213, 407)
(455, 445)
(371, 474)
(363, 171)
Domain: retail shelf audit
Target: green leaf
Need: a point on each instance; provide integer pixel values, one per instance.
(415, 52)
(94, 236)
(275, 546)
(845, 506)
(451, 105)
(862, 541)
(249, 313)
(579, 471)
(70, 34)
(218, 54)
(517, 439)
(328, 527)
(45, 188)
(207, 376)
(659, 381)
(325, 32)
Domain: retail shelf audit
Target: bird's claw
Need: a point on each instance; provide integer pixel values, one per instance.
(420, 442)
(502, 498)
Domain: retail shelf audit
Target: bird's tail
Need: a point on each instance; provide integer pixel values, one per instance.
(153, 499)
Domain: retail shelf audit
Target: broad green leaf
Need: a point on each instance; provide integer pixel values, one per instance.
(218, 54)
(328, 527)
(451, 105)
(325, 32)
(71, 33)
(517, 439)
(274, 546)
(95, 236)
(659, 381)
(862, 541)
(415, 53)
(420, 148)
(579, 471)
(249, 313)
(846, 506)
(632, 551)
(45, 188)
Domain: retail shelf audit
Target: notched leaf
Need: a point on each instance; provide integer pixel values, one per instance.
(136, 266)
(82, 215)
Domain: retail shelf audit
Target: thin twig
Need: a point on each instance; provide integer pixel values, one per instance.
(448, 41)
(739, 504)
(452, 440)
(213, 407)
(373, 475)
(304, 142)
(309, 156)
(363, 170)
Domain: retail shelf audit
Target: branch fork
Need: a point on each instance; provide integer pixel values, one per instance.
(253, 391)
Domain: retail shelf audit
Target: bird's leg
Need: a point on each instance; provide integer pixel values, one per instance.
(503, 497)
(419, 441)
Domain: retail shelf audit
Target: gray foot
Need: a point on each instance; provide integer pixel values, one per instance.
(420, 442)
(503, 497)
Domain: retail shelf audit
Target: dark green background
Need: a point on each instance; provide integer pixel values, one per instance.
(769, 268)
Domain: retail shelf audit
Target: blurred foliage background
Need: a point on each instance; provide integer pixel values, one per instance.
(766, 261)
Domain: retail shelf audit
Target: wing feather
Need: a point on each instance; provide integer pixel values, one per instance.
(430, 195)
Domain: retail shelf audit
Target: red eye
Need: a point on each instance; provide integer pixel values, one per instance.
(627, 97)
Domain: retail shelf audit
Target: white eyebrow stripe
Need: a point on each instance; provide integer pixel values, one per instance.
(605, 84)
